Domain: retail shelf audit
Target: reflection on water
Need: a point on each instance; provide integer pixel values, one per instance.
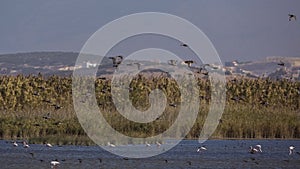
(219, 154)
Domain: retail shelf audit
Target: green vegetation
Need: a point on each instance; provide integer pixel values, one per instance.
(40, 108)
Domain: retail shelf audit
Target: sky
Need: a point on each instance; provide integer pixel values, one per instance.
(244, 30)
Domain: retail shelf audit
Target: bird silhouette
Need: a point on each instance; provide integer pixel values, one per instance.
(292, 16)
(116, 60)
(184, 45)
(281, 63)
(189, 62)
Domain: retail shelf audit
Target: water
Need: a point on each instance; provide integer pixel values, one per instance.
(219, 154)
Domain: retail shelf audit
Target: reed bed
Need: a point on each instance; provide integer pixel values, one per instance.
(40, 109)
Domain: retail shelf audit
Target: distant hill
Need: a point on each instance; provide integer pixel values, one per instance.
(62, 63)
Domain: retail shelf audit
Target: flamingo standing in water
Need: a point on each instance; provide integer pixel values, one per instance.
(158, 144)
(291, 148)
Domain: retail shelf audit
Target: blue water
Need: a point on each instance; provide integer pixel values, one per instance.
(219, 154)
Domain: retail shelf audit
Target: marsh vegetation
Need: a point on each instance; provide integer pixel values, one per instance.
(40, 108)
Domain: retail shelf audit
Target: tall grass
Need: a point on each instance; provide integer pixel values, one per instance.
(255, 108)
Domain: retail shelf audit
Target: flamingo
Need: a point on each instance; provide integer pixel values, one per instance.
(255, 149)
(259, 148)
(25, 145)
(202, 148)
(54, 163)
(111, 145)
(15, 144)
(147, 144)
(158, 144)
(291, 148)
(48, 145)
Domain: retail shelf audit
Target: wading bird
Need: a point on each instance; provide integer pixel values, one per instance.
(291, 148)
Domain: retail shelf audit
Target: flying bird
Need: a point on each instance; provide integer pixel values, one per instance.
(184, 45)
(281, 63)
(111, 145)
(292, 16)
(15, 144)
(172, 62)
(54, 163)
(25, 145)
(202, 148)
(116, 60)
(189, 62)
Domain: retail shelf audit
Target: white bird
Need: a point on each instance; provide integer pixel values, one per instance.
(158, 144)
(252, 150)
(291, 148)
(15, 144)
(25, 145)
(147, 144)
(111, 145)
(258, 147)
(54, 163)
(255, 149)
(48, 145)
(202, 148)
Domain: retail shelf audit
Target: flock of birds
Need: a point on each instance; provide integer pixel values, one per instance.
(252, 149)
(117, 60)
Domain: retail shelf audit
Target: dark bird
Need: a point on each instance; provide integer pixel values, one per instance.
(116, 60)
(189, 62)
(281, 63)
(184, 45)
(292, 16)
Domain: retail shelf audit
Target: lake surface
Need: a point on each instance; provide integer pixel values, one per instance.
(219, 154)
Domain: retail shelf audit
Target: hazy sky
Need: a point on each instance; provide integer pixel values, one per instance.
(239, 29)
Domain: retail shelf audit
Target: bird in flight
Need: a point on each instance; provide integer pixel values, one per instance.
(189, 62)
(292, 16)
(281, 63)
(116, 60)
(184, 45)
